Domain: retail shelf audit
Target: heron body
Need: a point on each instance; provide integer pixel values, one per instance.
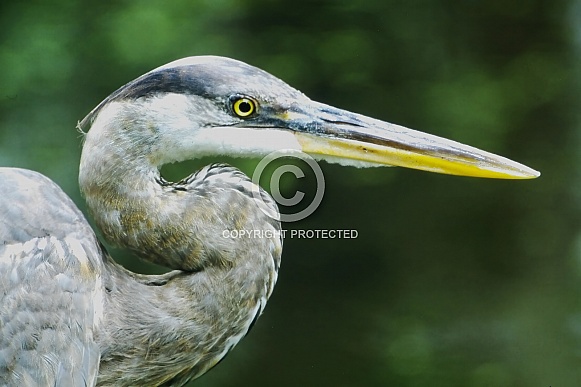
(71, 316)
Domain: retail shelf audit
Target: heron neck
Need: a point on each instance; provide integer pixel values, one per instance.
(188, 323)
(181, 226)
(196, 314)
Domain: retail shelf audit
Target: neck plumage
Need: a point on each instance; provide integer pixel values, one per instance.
(192, 317)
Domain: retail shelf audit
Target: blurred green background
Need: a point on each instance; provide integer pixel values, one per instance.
(452, 281)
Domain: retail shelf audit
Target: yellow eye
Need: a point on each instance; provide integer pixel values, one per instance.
(244, 107)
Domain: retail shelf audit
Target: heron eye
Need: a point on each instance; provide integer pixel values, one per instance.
(243, 107)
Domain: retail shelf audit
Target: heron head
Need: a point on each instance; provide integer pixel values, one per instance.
(209, 105)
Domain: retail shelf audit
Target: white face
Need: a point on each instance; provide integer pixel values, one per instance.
(186, 127)
(183, 110)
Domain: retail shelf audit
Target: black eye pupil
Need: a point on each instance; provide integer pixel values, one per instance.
(244, 107)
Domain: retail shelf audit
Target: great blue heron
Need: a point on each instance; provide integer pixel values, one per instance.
(71, 316)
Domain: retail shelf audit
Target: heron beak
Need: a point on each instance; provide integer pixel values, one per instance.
(340, 136)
